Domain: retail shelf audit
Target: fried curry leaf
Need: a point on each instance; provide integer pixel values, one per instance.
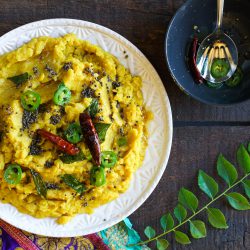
(93, 108)
(19, 79)
(65, 158)
(40, 185)
(101, 129)
(72, 182)
(122, 141)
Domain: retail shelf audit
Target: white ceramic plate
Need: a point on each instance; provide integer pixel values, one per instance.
(160, 129)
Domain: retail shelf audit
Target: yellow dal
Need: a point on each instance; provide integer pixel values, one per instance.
(93, 67)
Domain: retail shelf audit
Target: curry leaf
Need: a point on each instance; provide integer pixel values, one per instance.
(122, 141)
(238, 201)
(101, 129)
(243, 158)
(216, 218)
(40, 185)
(198, 229)
(162, 244)
(246, 185)
(188, 199)
(68, 159)
(149, 232)
(207, 184)
(19, 79)
(180, 213)
(72, 182)
(181, 238)
(93, 108)
(226, 170)
(167, 222)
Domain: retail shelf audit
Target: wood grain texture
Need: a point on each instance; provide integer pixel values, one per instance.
(144, 23)
(197, 148)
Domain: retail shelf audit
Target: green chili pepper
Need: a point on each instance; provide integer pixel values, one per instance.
(97, 176)
(13, 174)
(235, 79)
(73, 133)
(220, 68)
(122, 141)
(214, 85)
(62, 95)
(30, 100)
(108, 159)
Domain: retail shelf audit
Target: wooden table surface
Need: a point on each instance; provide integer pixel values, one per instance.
(200, 131)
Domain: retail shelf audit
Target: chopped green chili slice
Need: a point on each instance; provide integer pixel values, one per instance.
(214, 85)
(108, 159)
(13, 174)
(97, 176)
(73, 133)
(62, 95)
(220, 68)
(30, 100)
(236, 78)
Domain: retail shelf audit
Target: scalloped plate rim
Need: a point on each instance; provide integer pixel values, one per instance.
(167, 138)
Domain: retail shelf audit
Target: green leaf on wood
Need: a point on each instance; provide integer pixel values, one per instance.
(216, 218)
(198, 229)
(167, 222)
(180, 213)
(238, 201)
(149, 232)
(188, 199)
(162, 244)
(246, 185)
(226, 170)
(243, 159)
(207, 184)
(181, 238)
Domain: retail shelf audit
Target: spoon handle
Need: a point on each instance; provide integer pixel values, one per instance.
(220, 7)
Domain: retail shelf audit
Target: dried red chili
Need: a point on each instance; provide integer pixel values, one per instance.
(192, 61)
(61, 143)
(91, 137)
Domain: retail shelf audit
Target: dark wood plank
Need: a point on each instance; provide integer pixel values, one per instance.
(144, 23)
(197, 148)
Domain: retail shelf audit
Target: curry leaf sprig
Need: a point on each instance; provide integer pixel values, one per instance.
(189, 202)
